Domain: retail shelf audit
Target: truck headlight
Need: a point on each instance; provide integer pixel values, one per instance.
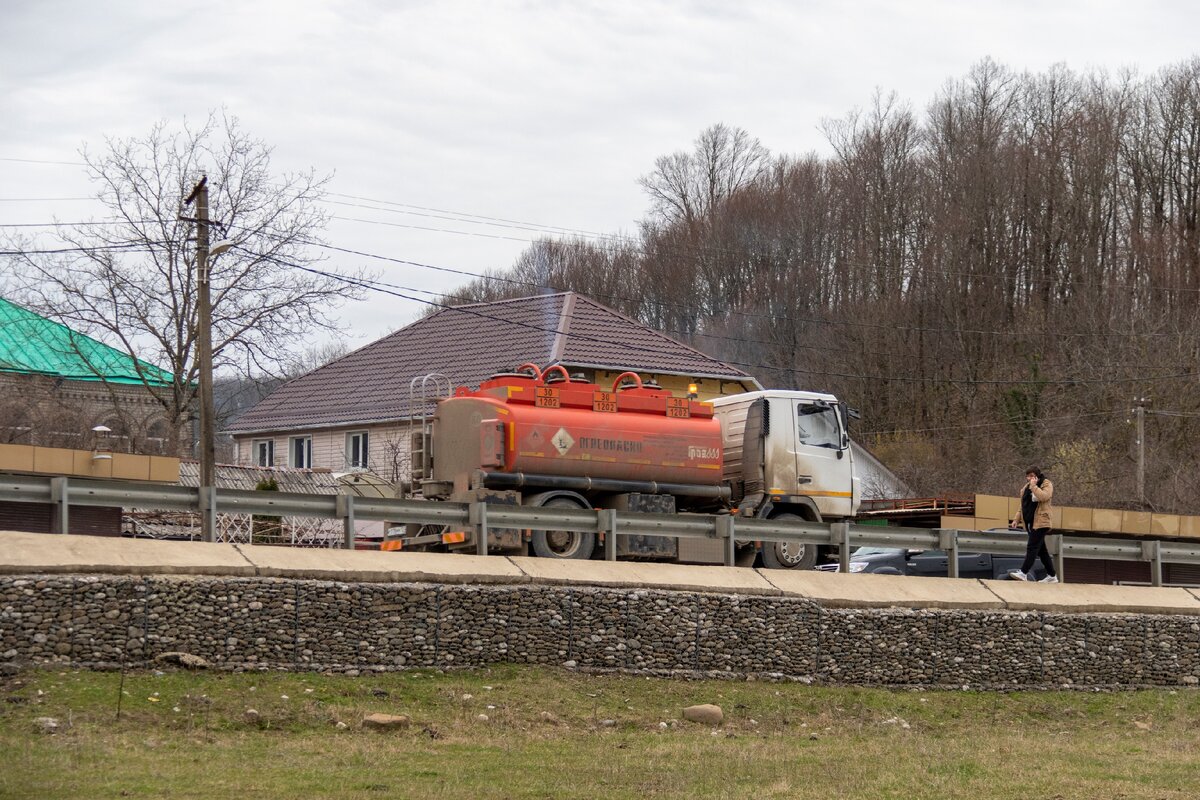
(858, 566)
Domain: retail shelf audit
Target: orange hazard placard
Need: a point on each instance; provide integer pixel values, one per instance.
(604, 402)
(547, 397)
(679, 407)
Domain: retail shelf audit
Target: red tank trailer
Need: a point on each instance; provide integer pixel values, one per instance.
(528, 430)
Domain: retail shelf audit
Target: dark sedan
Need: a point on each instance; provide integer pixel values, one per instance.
(936, 563)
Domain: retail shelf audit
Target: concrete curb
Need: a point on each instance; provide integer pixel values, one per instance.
(644, 575)
(50, 554)
(833, 590)
(1065, 598)
(377, 567)
(63, 553)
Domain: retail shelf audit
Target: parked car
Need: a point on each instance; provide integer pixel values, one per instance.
(935, 563)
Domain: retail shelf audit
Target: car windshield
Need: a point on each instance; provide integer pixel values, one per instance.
(817, 426)
(863, 552)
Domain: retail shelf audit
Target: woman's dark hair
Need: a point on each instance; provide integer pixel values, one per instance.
(1036, 472)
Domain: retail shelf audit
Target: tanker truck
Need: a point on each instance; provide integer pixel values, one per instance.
(548, 439)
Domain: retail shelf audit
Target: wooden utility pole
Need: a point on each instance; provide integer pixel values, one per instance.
(205, 358)
(1139, 411)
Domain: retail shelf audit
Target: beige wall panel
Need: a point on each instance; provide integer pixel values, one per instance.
(1189, 527)
(1164, 525)
(1106, 519)
(16, 457)
(991, 506)
(1076, 519)
(53, 460)
(1135, 521)
(127, 467)
(84, 464)
(164, 469)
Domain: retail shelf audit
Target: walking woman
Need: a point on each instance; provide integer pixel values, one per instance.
(1035, 519)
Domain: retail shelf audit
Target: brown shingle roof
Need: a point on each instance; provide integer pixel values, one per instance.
(468, 344)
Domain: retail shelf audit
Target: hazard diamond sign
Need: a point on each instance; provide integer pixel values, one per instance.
(562, 441)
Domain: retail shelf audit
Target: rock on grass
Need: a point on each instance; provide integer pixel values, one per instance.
(186, 660)
(384, 722)
(705, 714)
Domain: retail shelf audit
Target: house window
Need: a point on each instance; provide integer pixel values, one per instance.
(263, 451)
(357, 448)
(301, 450)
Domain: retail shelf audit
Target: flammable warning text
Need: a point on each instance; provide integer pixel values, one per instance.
(610, 445)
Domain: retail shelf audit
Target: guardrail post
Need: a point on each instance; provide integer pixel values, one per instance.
(60, 495)
(948, 541)
(345, 510)
(1152, 552)
(208, 514)
(725, 532)
(606, 523)
(839, 536)
(1056, 553)
(477, 516)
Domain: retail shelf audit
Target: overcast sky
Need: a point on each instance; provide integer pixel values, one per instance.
(540, 112)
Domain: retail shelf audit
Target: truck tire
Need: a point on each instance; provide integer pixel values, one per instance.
(563, 544)
(789, 555)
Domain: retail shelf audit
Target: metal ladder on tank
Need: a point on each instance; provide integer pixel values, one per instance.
(423, 393)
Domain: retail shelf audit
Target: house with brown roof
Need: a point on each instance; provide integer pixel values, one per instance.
(354, 413)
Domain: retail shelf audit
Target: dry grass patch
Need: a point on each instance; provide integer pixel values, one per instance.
(559, 734)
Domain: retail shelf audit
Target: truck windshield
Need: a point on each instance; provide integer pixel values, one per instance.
(817, 426)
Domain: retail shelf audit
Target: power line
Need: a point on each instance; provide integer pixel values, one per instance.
(810, 320)
(131, 247)
(892, 431)
(1158, 413)
(42, 161)
(391, 289)
(464, 214)
(749, 314)
(478, 219)
(467, 219)
(435, 230)
(64, 224)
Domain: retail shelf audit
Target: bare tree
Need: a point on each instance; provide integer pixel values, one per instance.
(989, 281)
(686, 186)
(314, 357)
(131, 279)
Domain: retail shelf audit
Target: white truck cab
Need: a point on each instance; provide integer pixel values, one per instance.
(787, 454)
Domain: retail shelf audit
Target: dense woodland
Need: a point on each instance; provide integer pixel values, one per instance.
(991, 280)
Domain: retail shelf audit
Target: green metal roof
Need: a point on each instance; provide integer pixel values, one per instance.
(34, 345)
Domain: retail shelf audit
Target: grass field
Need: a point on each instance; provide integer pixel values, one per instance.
(548, 735)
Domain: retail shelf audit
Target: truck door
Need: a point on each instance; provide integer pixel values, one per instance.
(823, 463)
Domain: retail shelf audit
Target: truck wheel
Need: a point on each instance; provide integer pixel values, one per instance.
(563, 544)
(789, 555)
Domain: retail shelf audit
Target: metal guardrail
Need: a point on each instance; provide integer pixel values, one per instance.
(477, 518)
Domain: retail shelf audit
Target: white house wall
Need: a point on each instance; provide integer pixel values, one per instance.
(387, 449)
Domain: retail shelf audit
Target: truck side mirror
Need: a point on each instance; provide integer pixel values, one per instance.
(844, 413)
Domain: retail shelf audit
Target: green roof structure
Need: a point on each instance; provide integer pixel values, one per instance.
(33, 345)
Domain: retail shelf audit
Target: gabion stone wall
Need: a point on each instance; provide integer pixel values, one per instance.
(263, 623)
